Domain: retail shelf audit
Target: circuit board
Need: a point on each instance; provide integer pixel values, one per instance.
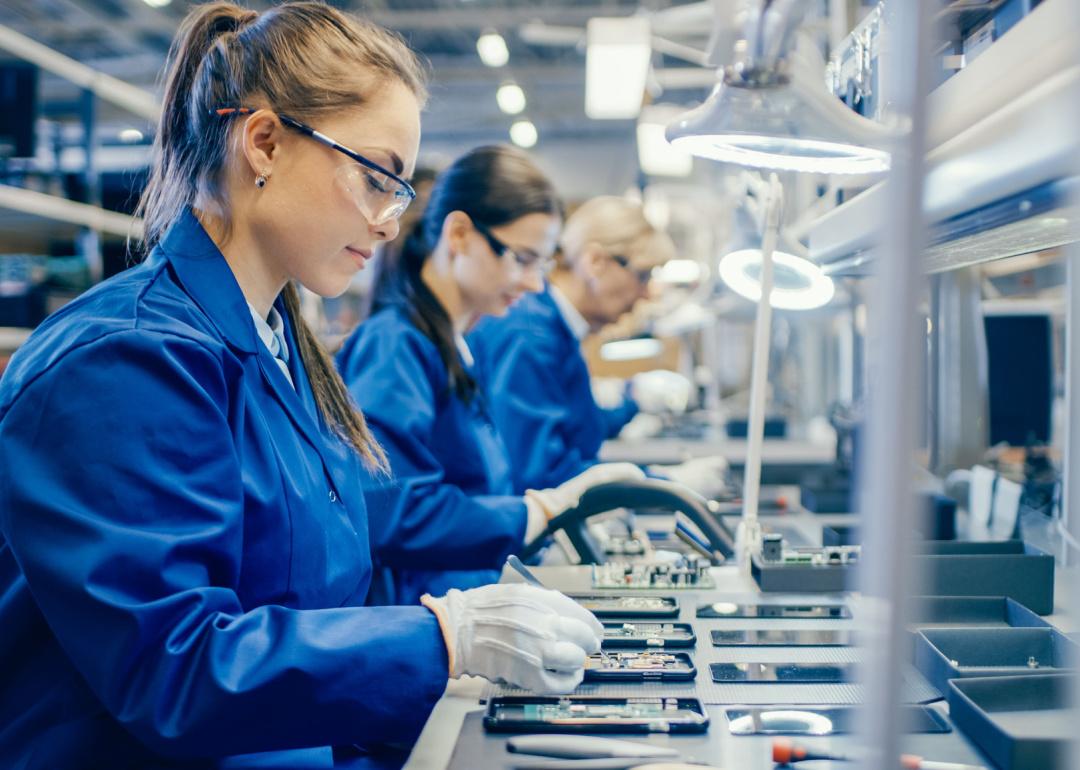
(688, 572)
(655, 635)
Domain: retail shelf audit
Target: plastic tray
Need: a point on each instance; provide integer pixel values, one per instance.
(990, 611)
(1022, 723)
(1009, 568)
(942, 654)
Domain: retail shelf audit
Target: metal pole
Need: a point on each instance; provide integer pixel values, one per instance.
(893, 390)
(748, 535)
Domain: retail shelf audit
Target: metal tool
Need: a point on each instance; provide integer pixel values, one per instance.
(585, 747)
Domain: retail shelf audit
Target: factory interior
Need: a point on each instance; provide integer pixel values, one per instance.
(563, 385)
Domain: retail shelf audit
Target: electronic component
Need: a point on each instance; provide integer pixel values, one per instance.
(688, 571)
(782, 638)
(772, 546)
(782, 673)
(648, 635)
(787, 611)
(518, 714)
(839, 720)
(639, 666)
(608, 606)
(822, 556)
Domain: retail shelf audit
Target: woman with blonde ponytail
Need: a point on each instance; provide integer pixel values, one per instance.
(184, 549)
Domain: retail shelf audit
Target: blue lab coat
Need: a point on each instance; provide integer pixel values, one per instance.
(540, 393)
(448, 504)
(184, 549)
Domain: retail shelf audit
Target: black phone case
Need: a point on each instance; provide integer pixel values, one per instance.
(670, 610)
(686, 640)
(686, 674)
(779, 611)
(493, 725)
(785, 638)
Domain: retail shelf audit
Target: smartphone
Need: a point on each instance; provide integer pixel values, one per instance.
(782, 638)
(837, 720)
(796, 611)
(639, 667)
(628, 606)
(634, 636)
(782, 673)
(579, 714)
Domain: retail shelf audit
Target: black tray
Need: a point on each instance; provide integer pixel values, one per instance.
(942, 654)
(987, 611)
(1022, 723)
(1010, 568)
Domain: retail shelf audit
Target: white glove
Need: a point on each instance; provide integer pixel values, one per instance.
(641, 427)
(517, 634)
(704, 475)
(661, 390)
(566, 496)
(608, 392)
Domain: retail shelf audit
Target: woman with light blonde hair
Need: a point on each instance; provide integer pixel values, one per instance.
(531, 359)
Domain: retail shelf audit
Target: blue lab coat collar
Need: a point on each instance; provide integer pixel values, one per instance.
(208, 279)
(203, 271)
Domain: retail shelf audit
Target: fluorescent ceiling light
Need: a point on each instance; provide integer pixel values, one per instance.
(616, 66)
(798, 284)
(631, 350)
(131, 135)
(157, 3)
(523, 133)
(679, 271)
(492, 49)
(656, 155)
(511, 98)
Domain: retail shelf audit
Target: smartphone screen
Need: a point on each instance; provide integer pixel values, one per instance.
(783, 673)
(794, 720)
(782, 638)
(581, 714)
(798, 611)
(648, 635)
(604, 606)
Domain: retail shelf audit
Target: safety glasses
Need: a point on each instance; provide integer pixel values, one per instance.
(380, 194)
(527, 261)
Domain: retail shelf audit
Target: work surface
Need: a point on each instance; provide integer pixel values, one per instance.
(454, 737)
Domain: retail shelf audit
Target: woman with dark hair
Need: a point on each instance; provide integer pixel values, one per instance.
(486, 238)
(184, 551)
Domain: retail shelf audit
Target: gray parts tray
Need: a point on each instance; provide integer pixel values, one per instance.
(1011, 568)
(1022, 723)
(988, 611)
(942, 654)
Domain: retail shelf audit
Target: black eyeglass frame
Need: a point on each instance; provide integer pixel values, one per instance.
(643, 276)
(543, 264)
(331, 143)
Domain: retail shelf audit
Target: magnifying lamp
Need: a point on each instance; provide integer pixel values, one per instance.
(798, 283)
(772, 109)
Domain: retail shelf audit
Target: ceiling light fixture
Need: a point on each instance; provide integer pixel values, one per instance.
(492, 49)
(524, 134)
(510, 98)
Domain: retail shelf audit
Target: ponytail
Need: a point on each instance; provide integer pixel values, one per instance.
(306, 59)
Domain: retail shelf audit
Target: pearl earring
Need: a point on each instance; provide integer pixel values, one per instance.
(260, 181)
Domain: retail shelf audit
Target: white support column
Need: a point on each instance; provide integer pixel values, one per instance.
(893, 390)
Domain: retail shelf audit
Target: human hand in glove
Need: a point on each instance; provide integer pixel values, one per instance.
(661, 391)
(517, 634)
(557, 500)
(704, 475)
